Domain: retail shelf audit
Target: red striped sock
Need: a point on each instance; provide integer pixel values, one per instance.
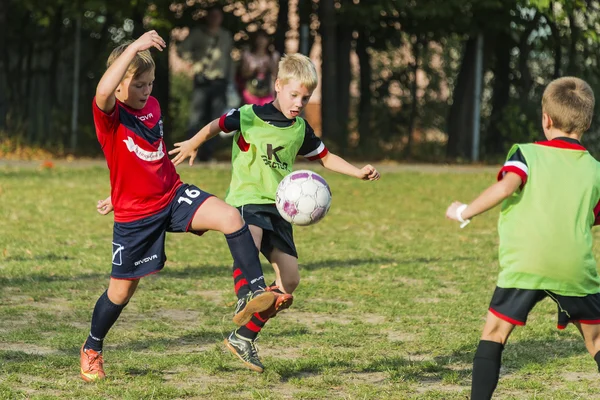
(240, 284)
(251, 330)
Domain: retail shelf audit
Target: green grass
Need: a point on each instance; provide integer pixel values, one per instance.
(391, 304)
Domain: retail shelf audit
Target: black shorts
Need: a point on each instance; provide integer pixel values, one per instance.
(277, 232)
(513, 305)
(139, 246)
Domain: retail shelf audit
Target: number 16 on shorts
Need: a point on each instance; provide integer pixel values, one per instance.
(189, 195)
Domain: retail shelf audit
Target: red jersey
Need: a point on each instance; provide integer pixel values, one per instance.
(143, 179)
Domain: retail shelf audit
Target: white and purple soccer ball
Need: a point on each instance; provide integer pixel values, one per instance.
(303, 197)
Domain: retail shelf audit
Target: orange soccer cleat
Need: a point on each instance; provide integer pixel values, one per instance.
(282, 301)
(91, 365)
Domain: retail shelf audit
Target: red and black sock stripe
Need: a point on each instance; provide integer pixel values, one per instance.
(251, 330)
(240, 283)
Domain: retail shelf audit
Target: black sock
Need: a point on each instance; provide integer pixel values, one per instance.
(486, 369)
(597, 358)
(245, 256)
(105, 315)
(251, 330)
(240, 283)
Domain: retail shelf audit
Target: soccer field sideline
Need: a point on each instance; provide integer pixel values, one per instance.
(382, 166)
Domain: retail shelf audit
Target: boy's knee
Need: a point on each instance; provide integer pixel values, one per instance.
(231, 221)
(495, 336)
(120, 294)
(119, 297)
(290, 284)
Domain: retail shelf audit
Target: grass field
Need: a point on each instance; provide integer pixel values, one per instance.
(391, 303)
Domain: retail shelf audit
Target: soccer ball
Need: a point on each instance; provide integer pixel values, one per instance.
(303, 198)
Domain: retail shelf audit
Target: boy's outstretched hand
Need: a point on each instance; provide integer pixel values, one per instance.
(455, 211)
(183, 150)
(369, 173)
(451, 211)
(105, 206)
(148, 40)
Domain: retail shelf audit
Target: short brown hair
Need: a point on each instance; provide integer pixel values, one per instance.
(569, 102)
(141, 64)
(298, 67)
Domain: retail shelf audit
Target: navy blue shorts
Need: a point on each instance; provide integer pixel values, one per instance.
(277, 232)
(138, 247)
(513, 305)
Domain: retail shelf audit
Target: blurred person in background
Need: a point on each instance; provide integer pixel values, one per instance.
(208, 49)
(257, 70)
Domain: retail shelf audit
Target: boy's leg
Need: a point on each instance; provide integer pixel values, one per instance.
(240, 283)
(106, 312)
(288, 277)
(488, 358)
(241, 341)
(287, 274)
(591, 336)
(214, 214)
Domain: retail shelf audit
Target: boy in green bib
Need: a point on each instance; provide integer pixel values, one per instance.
(550, 193)
(267, 140)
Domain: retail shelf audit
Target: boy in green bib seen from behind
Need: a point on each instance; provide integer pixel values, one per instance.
(550, 193)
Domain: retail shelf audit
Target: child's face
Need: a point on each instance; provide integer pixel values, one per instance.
(292, 97)
(134, 92)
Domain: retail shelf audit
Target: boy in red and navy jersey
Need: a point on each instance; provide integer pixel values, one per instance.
(142, 179)
(149, 198)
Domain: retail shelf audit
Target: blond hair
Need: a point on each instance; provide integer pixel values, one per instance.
(141, 63)
(300, 68)
(569, 102)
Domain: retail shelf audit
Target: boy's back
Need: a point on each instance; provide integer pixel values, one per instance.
(545, 229)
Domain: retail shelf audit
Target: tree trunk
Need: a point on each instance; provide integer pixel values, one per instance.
(460, 119)
(283, 26)
(344, 76)
(495, 139)
(526, 81)
(414, 87)
(3, 72)
(572, 57)
(364, 107)
(304, 11)
(557, 47)
(162, 88)
(329, 109)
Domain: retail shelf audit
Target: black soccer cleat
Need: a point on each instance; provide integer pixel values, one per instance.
(245, 350)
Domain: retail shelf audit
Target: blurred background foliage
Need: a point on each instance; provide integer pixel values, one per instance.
(397, 75)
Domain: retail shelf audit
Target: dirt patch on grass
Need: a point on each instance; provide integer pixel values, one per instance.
(313, 319)
(409, 281)
(178, 315)
(367, 377)
(286, 353)
(399, 336)
(28, 348)
(214, 296)
(581, 376)
(429, 300)
(430, 385)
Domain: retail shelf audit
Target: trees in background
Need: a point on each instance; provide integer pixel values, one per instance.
(398, 75)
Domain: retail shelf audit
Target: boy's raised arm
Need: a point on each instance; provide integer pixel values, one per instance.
(488, 199)
(105, 91)
(338, 164)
